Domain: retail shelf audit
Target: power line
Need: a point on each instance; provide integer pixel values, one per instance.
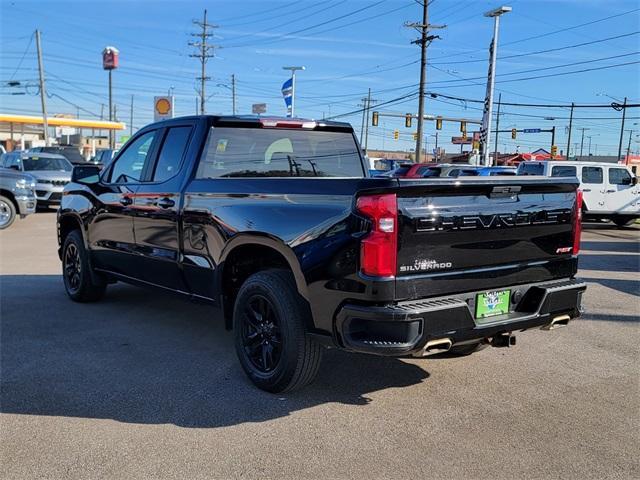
(284, 35)
(538, 52)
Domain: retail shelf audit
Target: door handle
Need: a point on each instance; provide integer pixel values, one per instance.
(165, 203)
(586, 189)
(126, 201)
(611, 191)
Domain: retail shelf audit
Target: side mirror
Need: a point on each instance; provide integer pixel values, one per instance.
(86, 174)
(14, 167)
(634, 181)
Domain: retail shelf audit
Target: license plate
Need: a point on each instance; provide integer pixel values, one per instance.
(494, 303)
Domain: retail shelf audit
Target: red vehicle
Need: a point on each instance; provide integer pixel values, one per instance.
(410, 170)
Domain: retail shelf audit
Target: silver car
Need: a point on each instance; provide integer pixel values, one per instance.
(17, 196)
(51, 171)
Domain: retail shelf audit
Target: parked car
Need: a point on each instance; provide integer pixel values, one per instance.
(409, 170)
(69, 152)
(17, 196)
(275, 221)
(52, 172)
(610, 190)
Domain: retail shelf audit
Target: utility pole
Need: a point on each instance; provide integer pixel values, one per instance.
(553, 136)
(43, 92)
(570, 125)
(495, 150)
(424, 41)
(624, 112)
(131, 118)
(203, 55)
(233, 92)
(366, 130)
(582, 140)
(364, 114)
(629, 147)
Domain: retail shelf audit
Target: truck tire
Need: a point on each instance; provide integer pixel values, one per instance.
(270, 334)
(622, 221)
(7, 212)
(464, 350)
(79, 282)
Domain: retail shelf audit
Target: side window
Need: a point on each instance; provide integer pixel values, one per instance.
(129, 165)
(591, 175)
(454, 173)
(619, 176)
(563, 171)
(171, 153)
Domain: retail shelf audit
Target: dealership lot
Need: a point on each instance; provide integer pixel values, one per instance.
(144, 384)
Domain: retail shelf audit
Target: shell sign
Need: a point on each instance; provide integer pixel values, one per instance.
(162, 108)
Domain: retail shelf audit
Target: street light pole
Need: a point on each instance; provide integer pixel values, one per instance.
(293, 87)
(496, 13)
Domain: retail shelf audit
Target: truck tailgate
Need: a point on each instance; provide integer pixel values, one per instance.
(474, 234)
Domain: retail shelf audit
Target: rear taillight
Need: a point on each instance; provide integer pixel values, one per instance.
(378, 250)
(577, 222)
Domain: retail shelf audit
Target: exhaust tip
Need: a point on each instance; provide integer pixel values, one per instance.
(557, 322)
(440, 345)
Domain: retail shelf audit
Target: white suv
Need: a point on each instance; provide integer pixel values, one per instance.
(610, 190)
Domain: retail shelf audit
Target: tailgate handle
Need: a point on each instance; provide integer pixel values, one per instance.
(505, 191)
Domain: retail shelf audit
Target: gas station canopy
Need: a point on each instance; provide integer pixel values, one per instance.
(61, 122)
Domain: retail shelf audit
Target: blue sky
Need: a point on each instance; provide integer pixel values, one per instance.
(369, 47)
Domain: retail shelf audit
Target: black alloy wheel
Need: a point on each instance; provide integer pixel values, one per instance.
(261, 335)
(72, 268)
(81, 284)
(270, 321)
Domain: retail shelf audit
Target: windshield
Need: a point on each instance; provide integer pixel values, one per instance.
(257, 152)
(530, 169)
(46, 163)
(70, 153)
(432, 172)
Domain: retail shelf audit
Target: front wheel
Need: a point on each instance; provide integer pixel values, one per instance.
(80, 284)
(269, 321)
(7, 212)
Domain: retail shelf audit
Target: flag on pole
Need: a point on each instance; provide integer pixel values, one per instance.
(287, 93)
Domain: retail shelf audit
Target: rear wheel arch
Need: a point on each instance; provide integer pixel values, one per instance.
(67, 224)
(246, 256)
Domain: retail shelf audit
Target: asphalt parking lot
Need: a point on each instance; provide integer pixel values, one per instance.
(147, 385)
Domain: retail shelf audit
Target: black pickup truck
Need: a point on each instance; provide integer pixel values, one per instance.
(276, 222)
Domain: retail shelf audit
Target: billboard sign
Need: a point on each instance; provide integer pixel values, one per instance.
(258, 108)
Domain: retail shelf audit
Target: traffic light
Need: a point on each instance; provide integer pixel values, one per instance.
(396, 134)
(514, 133)
(407, 120)
(374, 119)
(554, 151)
(415, 136)
(463, 128)
(438, 124)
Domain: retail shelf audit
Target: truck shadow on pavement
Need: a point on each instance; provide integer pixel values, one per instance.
(142, 357)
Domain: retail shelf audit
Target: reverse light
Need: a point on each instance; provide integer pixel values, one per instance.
(378, 250)
(577, 222)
